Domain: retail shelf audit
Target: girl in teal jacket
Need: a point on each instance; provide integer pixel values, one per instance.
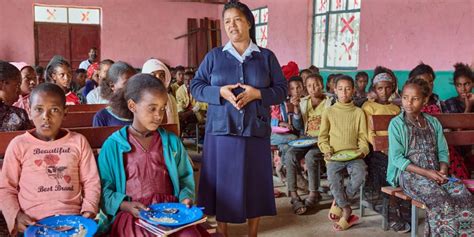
(418, 162)
(142, 164)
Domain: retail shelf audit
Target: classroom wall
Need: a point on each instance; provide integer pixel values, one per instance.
(399, 34)
(132, 31)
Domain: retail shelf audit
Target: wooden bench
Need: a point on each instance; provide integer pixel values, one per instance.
(86, 107)
(459, 130)
(78, 119)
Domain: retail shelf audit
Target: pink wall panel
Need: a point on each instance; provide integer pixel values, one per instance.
(401, 33)
(397, 34)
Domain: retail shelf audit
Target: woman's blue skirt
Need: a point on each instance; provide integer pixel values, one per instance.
(236, 180)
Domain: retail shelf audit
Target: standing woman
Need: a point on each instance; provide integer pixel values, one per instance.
(239, 82)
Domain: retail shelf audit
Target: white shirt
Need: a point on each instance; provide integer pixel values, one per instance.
(85, 64)
(252, 47)
(94, 97)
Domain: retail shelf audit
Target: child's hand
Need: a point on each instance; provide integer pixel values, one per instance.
(328, 156)
(133, 207)
(435, 175)
(88, 214)
(295, 100)
(468, 101)
(285, 125)
(188, 202)
(22, 221)
(371, 95)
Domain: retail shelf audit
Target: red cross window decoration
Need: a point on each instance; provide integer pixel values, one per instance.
(336, 34)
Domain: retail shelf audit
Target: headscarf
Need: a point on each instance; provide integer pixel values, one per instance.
(382, 77)
(154, 64)
(19, 65)
(91, 69)
(290, 70)
(248, 14)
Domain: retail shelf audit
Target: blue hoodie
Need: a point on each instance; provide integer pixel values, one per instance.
(113, 178)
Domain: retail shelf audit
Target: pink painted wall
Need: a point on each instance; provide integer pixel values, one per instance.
(401, 33)
(397, 34)
(131, 31)
(289, 29)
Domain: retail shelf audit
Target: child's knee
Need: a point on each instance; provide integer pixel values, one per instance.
(333, 175)
(291, 158)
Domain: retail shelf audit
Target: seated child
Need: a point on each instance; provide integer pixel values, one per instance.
(461, 158)
(159, 70)
(463, 79)
(304, 75)
(58, 72)
(39, 74)
(11, 118)
(92, 81)
(307, 119)
(114, 115)
(280, 116)
(422, 174)
(143, 164)
(382, 88)
(344, 127)
(360, 95)
(190, 111)
(102, 93)
(179, 74)
(426, 73)
(78, 84)
(330, 84)
(28, 82)
(48, 170)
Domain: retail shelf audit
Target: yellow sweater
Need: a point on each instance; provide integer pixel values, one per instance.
(343, 127)
(373, 108)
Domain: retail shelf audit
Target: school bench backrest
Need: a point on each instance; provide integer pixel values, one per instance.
(461, 129)
(78, 119)
(95, 136)
(86, 107)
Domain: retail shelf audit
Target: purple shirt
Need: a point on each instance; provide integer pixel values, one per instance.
(105, 117)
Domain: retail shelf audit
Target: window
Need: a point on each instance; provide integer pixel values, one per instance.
(336, 34)
(261, 26)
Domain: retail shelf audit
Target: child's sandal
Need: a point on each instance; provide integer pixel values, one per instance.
(298, 206)
(311, 202)
(342, 224)
(335, 212)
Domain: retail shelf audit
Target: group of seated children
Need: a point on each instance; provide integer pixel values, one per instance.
(335, 119)
(50, 170)
(100, 82)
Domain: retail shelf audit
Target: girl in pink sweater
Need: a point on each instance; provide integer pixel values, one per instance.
(48, 170)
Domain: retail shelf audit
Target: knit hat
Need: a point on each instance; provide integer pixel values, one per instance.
(290, 70)
(154, 64)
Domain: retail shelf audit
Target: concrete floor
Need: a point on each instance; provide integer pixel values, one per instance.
(313, 223)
